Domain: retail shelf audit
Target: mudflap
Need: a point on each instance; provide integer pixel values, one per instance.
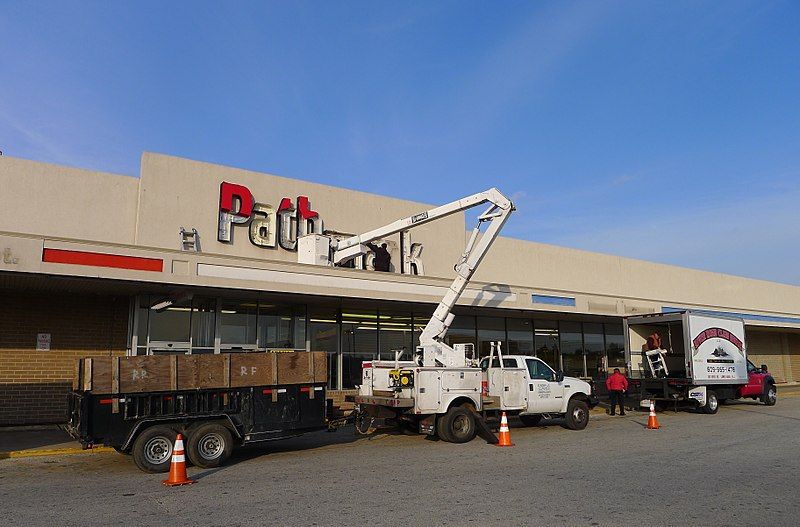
(427, 425)
(484, 431)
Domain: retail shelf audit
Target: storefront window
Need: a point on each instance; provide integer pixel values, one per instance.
(594, 347)
(491, 329)
(615, 346)
(203, 321)
(169, 322)
(359, 343)
(420, 321)
(546, 342)
(238, 325)
(281, 326)
(572, 348)
(395, 334)
(323, 334)
(520, 336)
(462, 331)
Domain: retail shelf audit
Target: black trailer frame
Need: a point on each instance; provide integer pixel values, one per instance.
(252, 414)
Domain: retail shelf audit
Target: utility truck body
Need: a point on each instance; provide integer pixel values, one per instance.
(693, 358)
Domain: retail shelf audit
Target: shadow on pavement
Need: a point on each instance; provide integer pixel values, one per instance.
(50, 437)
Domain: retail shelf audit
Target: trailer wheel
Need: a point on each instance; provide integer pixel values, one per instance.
(712, 403)
(152, 450)
(209, 445)
(770, 396)
(530, 419)
(577, 414)
(457, 425)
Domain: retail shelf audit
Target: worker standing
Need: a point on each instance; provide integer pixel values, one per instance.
(617, 385)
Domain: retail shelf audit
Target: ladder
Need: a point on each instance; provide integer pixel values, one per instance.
(656, 362)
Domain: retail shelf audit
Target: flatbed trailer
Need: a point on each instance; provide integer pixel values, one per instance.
(138, 405)
(213, 421)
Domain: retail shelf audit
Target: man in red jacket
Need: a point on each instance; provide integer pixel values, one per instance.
(617, 385)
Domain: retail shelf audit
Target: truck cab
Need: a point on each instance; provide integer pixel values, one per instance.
(760, 385)
(538, 390)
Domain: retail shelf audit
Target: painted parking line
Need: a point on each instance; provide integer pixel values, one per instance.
(37, 452)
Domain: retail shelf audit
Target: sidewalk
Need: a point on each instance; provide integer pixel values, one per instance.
(45, 440)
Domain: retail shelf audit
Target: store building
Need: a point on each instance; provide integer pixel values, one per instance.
(198, 258)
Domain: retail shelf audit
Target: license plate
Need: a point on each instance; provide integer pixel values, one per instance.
(644, 402)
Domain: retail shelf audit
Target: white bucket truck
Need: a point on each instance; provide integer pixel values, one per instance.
(441, 389)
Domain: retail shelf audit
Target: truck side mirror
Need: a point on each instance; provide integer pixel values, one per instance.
(559, 376)
(764, 368)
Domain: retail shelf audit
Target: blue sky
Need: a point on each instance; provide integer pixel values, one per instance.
(668, 131)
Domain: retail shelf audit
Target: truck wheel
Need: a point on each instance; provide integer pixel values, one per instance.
(152, 450)
(456, 426)
(209, 445)
(577, 414)
(770, 396)
(530, 419)
(712, 403)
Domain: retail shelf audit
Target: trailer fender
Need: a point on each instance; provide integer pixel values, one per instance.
(142, 424)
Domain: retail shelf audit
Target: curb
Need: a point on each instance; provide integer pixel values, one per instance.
(15, 454)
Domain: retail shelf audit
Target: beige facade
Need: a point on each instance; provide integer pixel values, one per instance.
(110, 232)
(80, 210)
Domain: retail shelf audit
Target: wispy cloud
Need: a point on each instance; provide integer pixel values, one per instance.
(754, 236)
(522, 66)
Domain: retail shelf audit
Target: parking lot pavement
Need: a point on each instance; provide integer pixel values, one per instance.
(735, 468)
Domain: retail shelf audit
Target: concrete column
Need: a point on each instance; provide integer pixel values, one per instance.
(785, 352)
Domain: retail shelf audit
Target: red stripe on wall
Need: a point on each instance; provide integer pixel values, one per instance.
(102, 260)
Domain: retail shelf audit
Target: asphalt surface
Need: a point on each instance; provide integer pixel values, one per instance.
(738, 467)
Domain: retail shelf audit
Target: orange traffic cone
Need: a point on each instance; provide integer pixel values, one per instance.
(177, 469)
(505, 435)
(652, 421)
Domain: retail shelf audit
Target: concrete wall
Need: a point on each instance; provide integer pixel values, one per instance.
(34, 384)
(177, 193)
(559, 269)
(51, 201)
(59, 201)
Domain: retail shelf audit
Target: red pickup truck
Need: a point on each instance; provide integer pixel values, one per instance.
(760, 385)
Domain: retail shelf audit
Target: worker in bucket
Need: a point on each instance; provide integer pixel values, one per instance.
(383, 259)
(617, 385)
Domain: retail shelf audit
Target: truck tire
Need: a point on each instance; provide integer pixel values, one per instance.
(712, 403)
(457, 425)
(530, 419)
(577, 414)
(152, 450)
(770, 396)
(209, 445)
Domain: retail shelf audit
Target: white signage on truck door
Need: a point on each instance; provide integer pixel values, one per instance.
(718, 352)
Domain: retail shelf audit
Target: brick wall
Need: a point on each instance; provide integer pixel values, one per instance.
(34, 384)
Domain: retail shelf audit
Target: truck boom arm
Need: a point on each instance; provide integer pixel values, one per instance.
(496, 215)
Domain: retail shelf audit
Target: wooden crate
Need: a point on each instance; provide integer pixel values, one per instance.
(253, 369)
(153, 373)
(197, 372)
